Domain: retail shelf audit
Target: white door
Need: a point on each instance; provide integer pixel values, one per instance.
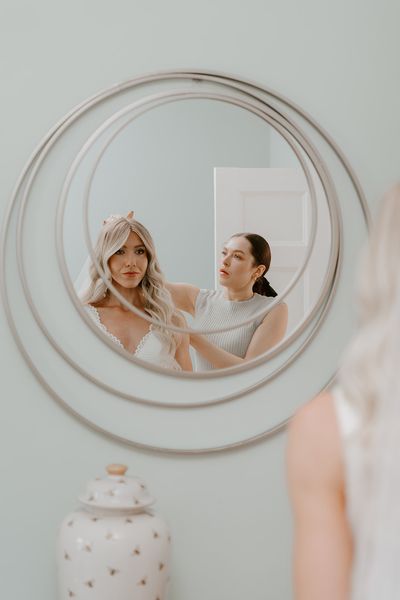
(275, 203)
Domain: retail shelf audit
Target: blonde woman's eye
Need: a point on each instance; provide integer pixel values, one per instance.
(120, 251)
(140, 251)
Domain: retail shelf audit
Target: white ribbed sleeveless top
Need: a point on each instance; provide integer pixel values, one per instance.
(213, 310)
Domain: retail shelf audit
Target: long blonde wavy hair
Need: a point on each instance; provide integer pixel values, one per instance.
(157, 299)
(373, 357)
(370, 380)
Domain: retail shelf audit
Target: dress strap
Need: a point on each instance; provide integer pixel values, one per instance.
(348, 419)
(96, 317)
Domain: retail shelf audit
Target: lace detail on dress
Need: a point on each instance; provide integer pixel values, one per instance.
(143, 341)
(149, 349)
(108, 333)
(101, 326)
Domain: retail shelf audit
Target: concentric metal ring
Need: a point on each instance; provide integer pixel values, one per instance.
(273, 352)
(254, 90)
(159, 100)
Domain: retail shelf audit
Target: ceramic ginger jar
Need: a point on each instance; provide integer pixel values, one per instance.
(113, 547)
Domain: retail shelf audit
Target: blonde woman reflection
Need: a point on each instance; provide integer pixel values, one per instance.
(245, 259)
(125, 251)
(344, 447)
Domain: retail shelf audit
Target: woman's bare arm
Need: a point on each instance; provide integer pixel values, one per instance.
(266, 336)
(270, 332)
(322, 538)
(183, 296)
(182, 355)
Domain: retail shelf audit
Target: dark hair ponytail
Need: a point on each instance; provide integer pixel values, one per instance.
(263, 287)
(262, 256)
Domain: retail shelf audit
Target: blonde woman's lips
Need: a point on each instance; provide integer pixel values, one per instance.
(222, 272)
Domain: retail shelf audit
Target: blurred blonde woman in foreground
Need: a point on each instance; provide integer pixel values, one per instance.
(344, 446)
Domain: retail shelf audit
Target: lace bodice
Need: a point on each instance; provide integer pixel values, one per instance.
(150, 348)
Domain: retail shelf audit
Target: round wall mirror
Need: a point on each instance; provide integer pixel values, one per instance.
(196, 187)
(198, 157)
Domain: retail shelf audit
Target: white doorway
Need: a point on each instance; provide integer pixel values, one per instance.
(275, 203)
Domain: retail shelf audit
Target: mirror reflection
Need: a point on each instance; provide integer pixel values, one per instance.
(244, 292)
(126, 254)
(198, 174)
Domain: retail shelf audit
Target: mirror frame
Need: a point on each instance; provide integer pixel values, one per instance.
(251, 90)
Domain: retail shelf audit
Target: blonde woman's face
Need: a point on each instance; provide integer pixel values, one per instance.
(129, 264)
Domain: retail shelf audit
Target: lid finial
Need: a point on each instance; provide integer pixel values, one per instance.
(116, 469)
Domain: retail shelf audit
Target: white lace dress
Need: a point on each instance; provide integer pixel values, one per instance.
(150, 348)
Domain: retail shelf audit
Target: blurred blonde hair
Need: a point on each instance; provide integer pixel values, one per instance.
(157, 299)
(372, 360)
(370, 380)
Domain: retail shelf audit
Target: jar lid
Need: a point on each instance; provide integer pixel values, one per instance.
(117, 491)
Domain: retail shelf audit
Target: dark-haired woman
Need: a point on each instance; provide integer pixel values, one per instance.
(245, 292)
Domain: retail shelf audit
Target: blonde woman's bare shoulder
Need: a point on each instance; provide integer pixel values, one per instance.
(314, 452)
(318, 411)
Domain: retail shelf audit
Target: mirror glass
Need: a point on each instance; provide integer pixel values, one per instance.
(195, 172)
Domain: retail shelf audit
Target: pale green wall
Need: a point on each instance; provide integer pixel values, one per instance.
(162, 167)
(339, 60)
